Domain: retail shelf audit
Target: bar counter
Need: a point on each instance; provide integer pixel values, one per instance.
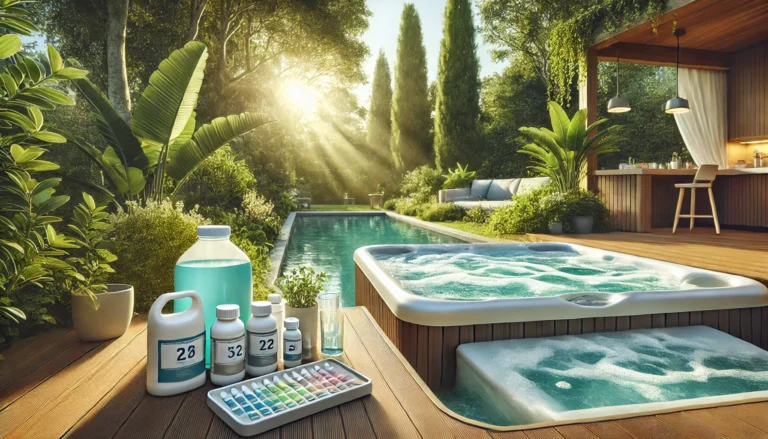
(642, 199)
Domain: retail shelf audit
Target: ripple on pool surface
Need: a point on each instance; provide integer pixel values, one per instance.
(518, 273)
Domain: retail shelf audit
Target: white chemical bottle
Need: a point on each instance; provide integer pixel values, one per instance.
(278, 312)
(262, 340)
(175, 346)
(291, 343)
(227, 346)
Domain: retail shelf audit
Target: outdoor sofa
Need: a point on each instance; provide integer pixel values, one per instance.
(491, 194)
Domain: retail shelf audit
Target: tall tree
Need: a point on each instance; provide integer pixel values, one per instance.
(379, 116)
(457, 106)
(117, 74)
(410, 107)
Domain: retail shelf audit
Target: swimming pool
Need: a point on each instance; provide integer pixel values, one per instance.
(327, 243)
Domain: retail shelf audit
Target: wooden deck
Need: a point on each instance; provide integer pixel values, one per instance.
(53, 385)
(733, 251)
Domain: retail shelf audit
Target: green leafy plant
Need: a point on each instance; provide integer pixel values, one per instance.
(422, 184)
(31, 250)
(391, 204)
(553, 207)
(161, 140)
(438, 212)
(220, 180)
(562, 153)
(91, 261)
(458, 178)
(524, 216)
(585, 203)
(148, 240)
(301, 285)
(410, 206)
(476, 215)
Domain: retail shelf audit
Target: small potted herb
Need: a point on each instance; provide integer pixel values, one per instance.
(300, 287)
(100, 311)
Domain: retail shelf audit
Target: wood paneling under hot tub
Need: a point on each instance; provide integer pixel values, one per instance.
(431, 350)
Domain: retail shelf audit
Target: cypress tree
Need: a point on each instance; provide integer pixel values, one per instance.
(379, 117)
(457, 105)
(410, 107)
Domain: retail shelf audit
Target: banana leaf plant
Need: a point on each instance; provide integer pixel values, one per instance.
(562, 152)
(161, 140)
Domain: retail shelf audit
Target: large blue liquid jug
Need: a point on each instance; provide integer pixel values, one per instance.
(219, 272)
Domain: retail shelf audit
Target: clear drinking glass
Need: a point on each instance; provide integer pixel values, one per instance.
(331, 324)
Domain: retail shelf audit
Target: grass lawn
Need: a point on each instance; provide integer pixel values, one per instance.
(341, 207)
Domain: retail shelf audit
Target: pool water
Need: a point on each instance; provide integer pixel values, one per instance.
(328, 243)
(485, 274)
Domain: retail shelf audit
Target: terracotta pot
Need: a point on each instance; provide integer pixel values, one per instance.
(309, 327)
(110, 320)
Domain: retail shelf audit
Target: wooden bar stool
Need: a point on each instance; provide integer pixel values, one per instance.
(704, 178)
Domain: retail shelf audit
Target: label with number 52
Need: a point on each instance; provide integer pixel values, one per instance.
(181, 359)
(262, 348)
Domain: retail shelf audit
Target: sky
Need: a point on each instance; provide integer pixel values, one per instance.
(383, 29)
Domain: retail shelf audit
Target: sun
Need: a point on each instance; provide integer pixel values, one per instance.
(301, 97)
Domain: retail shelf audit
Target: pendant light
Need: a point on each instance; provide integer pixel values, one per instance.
(677, 104)
(618, 104)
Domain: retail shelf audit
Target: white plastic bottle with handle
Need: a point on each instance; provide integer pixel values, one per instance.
(175, 346)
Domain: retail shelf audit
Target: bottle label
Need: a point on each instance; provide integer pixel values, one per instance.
(292, 350)
(228, 355)
(180, 360)
(262, 348)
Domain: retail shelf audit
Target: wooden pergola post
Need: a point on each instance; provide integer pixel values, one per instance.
(588, 100)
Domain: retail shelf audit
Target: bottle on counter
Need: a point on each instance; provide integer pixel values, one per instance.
(278, 312)
(227, 346)
(262, 340)
(291, 343)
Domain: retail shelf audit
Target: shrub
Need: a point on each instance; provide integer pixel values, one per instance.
(422, 184)
(476, 215)
(523, 216)
(259, 256)
(585, 203)
(220, 180)
(409, 206)
(391, 204)
(459, 178)
(438, 212)
(258, 210)
(301, 286)
(148, 241)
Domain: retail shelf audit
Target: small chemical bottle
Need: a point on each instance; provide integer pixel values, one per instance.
(291, 343)
(262, 340)
(278, 310)
(227, 346)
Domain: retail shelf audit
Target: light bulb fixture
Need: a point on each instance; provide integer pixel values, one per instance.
(677, 104)
(618, 104)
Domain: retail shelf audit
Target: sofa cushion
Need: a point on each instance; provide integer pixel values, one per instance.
(514, 185)
(480, 188)
(499, 190)
(528, 185)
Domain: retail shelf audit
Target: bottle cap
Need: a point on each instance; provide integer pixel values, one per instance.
(261, 309)
(227, 312)
(213, 231)
(291, 323)
(275, 298)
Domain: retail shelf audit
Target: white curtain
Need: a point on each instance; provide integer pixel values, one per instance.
(705, 127)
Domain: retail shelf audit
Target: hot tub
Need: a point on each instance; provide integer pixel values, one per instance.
(431, 298)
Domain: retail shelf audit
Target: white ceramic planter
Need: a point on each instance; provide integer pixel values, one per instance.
(110, 320)
(308, 325)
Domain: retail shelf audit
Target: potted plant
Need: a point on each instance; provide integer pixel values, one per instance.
(553, 208)
(100, 311)
(456, 179)
(583, 207)
(300, 287)
(676, 162)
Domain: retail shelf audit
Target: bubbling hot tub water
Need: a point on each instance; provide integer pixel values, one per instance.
(518, 273)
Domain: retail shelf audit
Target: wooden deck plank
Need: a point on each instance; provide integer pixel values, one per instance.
(649, 427)
(386, 415)
(151, 418)
(35, 358)
(67, 408)
(723, 422)
(355, 420)
(21, 350)
(689, 426)
(194, 417)
(425, 415)
(106, 417)
(608, 429)
(41, 397)
(328, 423)
(301, 429)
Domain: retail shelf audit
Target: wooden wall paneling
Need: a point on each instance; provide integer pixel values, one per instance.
(435, 345)
(450, 343)
(747, 94)
(561, 327)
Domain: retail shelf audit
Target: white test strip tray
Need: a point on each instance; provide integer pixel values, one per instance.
(243, 426)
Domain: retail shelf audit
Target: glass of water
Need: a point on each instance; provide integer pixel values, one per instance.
(331, 324)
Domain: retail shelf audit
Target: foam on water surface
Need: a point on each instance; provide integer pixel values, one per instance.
(536, 380)
(485, 274)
